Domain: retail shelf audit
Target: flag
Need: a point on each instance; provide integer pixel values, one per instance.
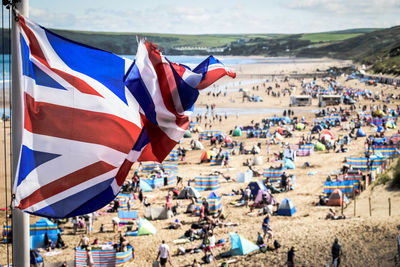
(89, 114)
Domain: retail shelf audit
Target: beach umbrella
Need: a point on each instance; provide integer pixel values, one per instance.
(380, 129)
(328, 132)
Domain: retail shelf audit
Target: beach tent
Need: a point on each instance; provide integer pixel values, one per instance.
(145, 186)
(240, 245)
(146, 228)
(197, 145)
(158, 213)
(189, 192)
(289, 164)
(300, 126)
(328, 132)
(286, 119)
(360, 133)
(319, 146)
(269, 197)
(237, 132)
(286, 208)
(187, 134)
(207, 155)
(335, 198)
(255, 186)
(244, 177)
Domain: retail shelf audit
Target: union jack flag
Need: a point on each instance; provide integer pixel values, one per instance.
(89, 114)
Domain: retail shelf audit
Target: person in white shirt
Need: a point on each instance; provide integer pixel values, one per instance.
(163, 254)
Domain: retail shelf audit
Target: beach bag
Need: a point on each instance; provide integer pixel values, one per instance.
(156, 264)
(277, 244)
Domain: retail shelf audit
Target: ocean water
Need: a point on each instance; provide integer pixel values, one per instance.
(6, 66)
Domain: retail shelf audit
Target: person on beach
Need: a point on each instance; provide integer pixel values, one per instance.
(115, 222)
(265, 225)
(89, 259)
(290, 257)
(336, 253)
(84, 242)
(163, 254)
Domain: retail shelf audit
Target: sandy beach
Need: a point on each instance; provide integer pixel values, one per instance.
(366, 240)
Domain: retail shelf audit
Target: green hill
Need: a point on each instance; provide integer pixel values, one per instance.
(380, 49)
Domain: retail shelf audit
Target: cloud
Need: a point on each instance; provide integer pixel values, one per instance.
(280, 16)
(346, 7)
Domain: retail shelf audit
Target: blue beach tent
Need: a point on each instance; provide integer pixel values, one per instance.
(145, 186)
(286, 208)
(240, 245)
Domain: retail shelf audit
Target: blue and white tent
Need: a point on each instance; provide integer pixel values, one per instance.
(286, 208)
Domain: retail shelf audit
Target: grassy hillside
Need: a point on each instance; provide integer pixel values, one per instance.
(380, 49)
(328, 37)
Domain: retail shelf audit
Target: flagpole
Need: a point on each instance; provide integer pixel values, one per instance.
(20, 220)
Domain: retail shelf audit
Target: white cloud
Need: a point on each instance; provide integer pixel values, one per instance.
(283, 16)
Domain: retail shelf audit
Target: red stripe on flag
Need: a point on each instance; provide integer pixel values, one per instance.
(147, 154)
(166, 81)
(123, 172)
(161, 143)
(80, 125)
(213, 75)
(36, 52)
(64, 183)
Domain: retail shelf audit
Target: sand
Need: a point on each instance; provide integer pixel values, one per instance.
(366, 240)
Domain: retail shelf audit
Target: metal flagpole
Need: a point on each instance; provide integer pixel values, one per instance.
(20, 220)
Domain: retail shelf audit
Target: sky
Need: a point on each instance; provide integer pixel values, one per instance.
(215, 16)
